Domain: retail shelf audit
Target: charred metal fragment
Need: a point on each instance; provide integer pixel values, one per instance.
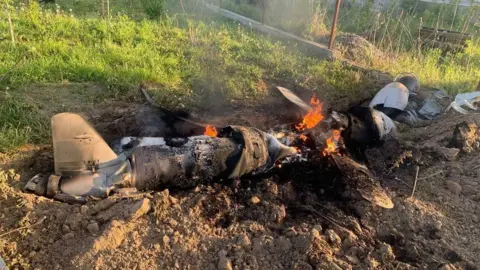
(200, 160)
(359, 179)
(85, 167)
(368, 126)
(362, 126)
(336, 177)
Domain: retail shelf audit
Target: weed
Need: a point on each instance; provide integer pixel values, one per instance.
(20, 124)
(153, 8)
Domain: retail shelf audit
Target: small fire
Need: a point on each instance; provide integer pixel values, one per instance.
(303, 137)
(332, 143)
(313, 117)
(210, 131)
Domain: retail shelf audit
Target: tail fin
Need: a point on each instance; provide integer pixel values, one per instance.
(77, 145)
(292, 97)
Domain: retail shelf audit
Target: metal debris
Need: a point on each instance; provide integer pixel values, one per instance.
(465, 99)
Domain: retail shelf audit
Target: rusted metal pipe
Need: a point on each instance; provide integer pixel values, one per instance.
(334, 25)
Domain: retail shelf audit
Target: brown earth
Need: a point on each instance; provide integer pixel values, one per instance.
(259, 224)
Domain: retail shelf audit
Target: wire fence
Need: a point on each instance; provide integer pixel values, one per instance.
(395, 26)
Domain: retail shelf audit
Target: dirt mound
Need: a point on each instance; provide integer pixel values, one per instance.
(209, 227)
(443, 215)
(357, 49)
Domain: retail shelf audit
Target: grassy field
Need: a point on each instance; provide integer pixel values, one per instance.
(183, 52)
(186, 58)
(394, 30)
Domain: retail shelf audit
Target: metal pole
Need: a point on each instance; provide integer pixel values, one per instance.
(334, 25)
(415, 183)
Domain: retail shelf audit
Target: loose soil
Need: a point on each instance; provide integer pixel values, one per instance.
(257, 224)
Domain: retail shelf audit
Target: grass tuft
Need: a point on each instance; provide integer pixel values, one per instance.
(20, 124)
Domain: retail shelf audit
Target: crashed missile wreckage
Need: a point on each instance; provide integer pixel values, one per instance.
(87, 168)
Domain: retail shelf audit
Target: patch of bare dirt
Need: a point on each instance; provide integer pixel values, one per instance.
(261, 224)
(439, 225)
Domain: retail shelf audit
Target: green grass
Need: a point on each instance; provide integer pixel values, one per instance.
(185, 59)
(456, 73)
(393, 30)
(20, 124)
(220, 57)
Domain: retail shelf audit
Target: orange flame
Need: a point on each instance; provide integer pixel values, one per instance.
(303, 137)
(210, 131)
(332, 143)
(313, 117)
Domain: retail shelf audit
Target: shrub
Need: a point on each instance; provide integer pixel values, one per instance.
(153, 8)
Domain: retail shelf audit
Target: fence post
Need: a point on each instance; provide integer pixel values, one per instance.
(334, 25)
(103, 9)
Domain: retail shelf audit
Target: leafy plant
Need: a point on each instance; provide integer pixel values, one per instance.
(153, 8)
